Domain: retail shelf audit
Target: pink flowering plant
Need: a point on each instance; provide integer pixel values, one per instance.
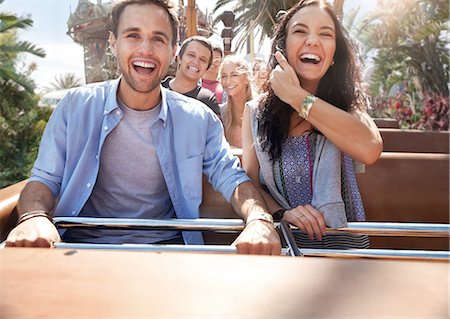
(430, 113)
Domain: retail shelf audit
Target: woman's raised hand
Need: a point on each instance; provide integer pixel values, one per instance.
(285, 83)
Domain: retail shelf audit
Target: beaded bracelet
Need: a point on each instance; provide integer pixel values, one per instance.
(35, 213)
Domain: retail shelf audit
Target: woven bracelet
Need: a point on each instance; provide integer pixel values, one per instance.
(33, 214)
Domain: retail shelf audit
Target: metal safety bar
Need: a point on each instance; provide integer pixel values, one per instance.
(336, 253)
(290, 240)
(397, 229)
(378, 253)
(201, 224)
(237, 225)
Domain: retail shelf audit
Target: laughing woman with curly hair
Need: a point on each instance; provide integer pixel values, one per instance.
(301, 136)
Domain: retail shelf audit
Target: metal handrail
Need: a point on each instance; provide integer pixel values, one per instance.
(336, 253)
(236, 225)
(201, 224)
(290, 240)
(398, 229)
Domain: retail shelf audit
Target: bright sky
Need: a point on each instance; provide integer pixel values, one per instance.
(49, 33)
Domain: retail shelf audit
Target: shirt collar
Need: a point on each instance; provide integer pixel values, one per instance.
(111, 100)
(164, 106)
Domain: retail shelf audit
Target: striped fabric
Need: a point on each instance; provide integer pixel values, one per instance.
(332, 240)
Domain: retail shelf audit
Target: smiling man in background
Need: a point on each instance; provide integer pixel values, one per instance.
(194, 59)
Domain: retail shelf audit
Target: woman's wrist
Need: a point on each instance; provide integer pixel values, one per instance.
(297, 98)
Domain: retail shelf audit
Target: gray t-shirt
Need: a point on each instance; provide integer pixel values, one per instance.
(130, 183)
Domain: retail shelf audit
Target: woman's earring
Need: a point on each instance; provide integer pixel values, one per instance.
(332, 63)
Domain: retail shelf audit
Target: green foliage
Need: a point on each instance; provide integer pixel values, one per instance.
(254, 13)
(18, 149)
(21, 121)
(408, 42)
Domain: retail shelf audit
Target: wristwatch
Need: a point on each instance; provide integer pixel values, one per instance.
(278, 215)
(259, 216)
(306, 106)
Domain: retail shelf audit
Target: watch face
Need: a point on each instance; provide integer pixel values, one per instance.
(278, 215)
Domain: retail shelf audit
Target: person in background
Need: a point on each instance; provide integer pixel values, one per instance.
(299, 138)
(194, 58)
(129, 148)
(209, 79)
(261, 71)
(236, 79)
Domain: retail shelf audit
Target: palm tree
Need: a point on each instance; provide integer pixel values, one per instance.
(254, 13)
(258, 14)
(10, 48)
(408, 41)
(21, 122)
(65, 81)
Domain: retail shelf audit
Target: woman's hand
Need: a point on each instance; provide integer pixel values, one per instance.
(285, 83)
(307, 219)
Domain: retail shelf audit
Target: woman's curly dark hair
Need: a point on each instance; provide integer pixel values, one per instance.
(339, 86)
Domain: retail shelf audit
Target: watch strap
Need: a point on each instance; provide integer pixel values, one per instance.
(259, 216)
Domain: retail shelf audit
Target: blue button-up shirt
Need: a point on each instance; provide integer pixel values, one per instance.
(188, 138)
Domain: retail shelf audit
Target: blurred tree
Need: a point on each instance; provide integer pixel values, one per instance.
(21, 122)
(65, 81)
(251, 14)
(258, 15)
(407, 40)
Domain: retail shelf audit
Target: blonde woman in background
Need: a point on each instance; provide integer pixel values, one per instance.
(236, 79)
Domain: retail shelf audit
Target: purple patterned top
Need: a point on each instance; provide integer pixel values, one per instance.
(293, 176)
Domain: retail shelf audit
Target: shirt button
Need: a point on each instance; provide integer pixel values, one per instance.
(106, 112)
(74, 212)
(88, 185)
(105, 127)
(96, 157)
(118, 112)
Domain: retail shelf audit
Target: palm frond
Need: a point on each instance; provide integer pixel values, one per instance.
(23, 47)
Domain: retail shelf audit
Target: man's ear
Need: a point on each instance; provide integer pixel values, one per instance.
(174, 52)
(178, 61)
(112, 43)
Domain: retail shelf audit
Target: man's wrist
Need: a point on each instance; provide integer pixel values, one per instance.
(265, 217)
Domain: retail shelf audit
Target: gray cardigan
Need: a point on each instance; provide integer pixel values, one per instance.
(326, 179)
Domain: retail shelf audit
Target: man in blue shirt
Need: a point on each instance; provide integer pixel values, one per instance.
(130, 148)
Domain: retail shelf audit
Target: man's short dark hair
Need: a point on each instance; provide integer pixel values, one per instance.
(169, 5)
(217, 48)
